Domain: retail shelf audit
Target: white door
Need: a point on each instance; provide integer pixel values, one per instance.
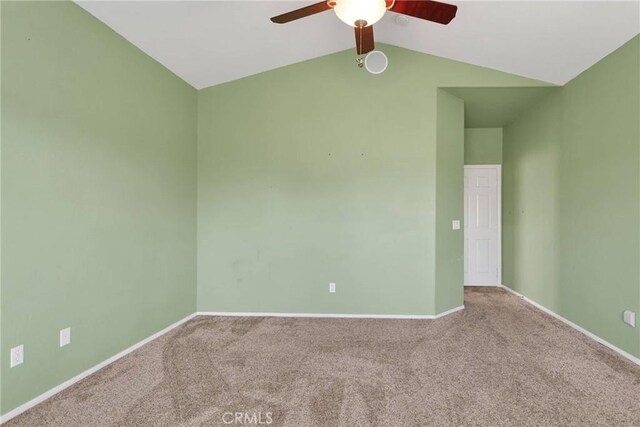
(482, 225)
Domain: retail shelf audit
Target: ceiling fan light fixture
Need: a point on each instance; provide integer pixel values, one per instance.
(354, 12)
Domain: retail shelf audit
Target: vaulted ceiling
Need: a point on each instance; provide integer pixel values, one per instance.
(212, 42)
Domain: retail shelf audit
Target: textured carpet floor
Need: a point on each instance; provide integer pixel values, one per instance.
(498, 362)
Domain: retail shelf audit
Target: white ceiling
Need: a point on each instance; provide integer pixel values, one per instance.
(211, 42)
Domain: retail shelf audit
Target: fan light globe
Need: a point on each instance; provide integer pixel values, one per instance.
(351, 11)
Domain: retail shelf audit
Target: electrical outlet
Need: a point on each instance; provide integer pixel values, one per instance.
(455, 224)
(332, 288)
(65, 337)
(629, 318)
(17, 355)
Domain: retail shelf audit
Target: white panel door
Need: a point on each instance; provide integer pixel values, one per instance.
(482, 225)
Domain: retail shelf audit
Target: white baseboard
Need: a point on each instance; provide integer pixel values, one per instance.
(47, 394)
(330, 315)
(453, 310)
(493, 285)
(574, 326)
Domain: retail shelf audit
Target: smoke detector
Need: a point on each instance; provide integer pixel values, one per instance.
(401, 20)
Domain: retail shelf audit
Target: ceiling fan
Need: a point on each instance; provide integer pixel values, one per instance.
(362, 14)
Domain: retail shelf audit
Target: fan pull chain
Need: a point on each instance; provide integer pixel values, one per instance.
(359, 60)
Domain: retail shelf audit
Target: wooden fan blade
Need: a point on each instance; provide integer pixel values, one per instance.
(433, 11)
(301, 13)
(364, 39)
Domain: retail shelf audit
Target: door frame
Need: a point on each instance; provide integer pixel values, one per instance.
(498, 169)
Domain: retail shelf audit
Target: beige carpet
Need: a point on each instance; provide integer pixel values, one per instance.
(498, 362)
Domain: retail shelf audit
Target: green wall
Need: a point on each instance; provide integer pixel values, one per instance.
(571, 194)
(98, 195)
(319, 172)
(483, 146)
(449, 202)
(1, 300)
